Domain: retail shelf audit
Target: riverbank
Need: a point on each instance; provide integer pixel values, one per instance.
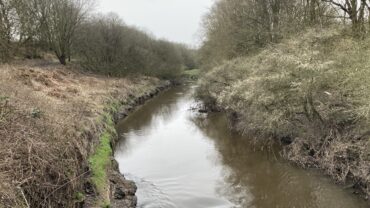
(308, 93)
(57, 133)
(221, 170)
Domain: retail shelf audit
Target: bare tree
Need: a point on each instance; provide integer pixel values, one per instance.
(355, 9)
(6, 27)
(59, 20)
(367, 4)
(106, 45)
(237, 27)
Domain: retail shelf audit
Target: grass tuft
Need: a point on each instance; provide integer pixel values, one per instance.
(99, 162)
(79, 196)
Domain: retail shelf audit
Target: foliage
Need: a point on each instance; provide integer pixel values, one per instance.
(106, 45)
(192, 74)
(311, 90)
(291, 79)
(234, 28)
(79, 197)
(100, 43)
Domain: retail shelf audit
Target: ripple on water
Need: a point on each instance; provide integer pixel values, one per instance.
(180, 159)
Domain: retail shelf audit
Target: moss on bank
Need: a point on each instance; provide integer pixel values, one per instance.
(100, 161)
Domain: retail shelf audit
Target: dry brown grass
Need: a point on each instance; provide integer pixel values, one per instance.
(310, 92)
(47, 116)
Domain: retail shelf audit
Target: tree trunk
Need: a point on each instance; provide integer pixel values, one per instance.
(358, 28)
(275, 8)
(313, 15)
(62, 59)
(357, 18)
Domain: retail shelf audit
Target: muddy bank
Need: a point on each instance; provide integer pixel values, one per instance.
(299, 93)
(302, 152)
(121, 191)
(126, 109)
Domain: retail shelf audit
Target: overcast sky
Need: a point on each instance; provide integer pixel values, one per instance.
(175, 20)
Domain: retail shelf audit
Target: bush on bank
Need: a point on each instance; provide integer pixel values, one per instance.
(311, 92)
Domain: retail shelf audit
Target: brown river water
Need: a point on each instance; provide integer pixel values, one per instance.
(180, 158)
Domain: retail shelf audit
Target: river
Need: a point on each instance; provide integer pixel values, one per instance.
(180, 158)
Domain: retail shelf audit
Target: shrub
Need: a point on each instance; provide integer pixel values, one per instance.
(311, 91)
(106, 45)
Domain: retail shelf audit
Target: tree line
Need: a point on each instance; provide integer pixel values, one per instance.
(237, 27)
(101, 43)
(105, 43)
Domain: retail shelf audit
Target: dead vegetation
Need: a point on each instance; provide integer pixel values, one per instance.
(48, 127)
(310, 92)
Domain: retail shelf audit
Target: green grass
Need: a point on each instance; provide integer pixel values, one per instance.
(100, 161)
(3, 98)
(191, 74)
(105, 204)
(79, 197)
(113, 106)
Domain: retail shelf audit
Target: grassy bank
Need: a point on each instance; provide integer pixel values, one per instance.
(192, 74)
(310, 93)
(56, 131)
(100, 161)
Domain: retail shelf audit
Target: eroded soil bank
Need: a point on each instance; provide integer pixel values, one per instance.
(309, 93)
(57, 133)
(180, 158)
(346, 162)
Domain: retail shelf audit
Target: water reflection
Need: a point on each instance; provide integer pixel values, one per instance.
(271, 182)
(179, 158)
(145, 119)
